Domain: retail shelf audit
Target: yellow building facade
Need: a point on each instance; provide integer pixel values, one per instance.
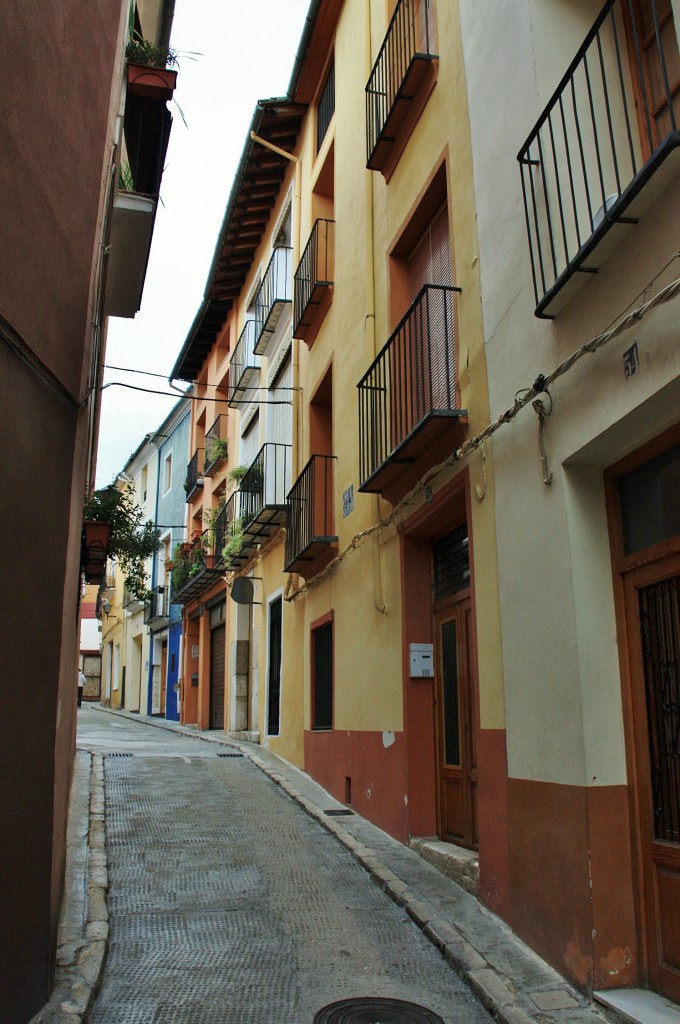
(340, 344)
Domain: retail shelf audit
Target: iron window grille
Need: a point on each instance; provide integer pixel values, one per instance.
(314, 275)
(407, 49)
(310, 512)
(215, 445)
(273, 294)
(194, 478)
(412, 378)
(325, 107)
(244, 365)
(590, 153)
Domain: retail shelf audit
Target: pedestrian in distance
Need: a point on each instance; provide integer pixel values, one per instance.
(81, 685)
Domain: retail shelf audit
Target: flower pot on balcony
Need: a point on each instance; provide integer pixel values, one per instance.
(95, 545)
(209, 561)
(151, 82)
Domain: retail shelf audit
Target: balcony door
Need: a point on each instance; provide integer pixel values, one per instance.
(653, 48)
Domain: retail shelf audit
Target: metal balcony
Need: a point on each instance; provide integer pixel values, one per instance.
(273, 296)
(311, 542)
(262, 494)
(325, 107)
(215, 446)
(195, 570)
(408, 399)
(244, 366)
(157, 607)
(405, 56)
(598, 155)
(313, 278)
(194, 477)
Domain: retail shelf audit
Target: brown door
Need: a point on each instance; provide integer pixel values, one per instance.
(455, 724)
(652, 604)
(217, 669)
(653, 45)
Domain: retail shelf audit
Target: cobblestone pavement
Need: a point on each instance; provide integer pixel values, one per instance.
(227, 903)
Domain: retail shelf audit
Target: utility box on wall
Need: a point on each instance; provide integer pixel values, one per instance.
(422, 661)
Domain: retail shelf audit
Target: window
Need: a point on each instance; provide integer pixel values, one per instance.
(322, 675)
(325, 107)
(167, 473)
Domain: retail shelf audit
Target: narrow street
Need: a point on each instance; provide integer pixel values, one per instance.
(227, 903)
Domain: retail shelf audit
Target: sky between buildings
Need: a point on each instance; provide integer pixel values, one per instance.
(244, 52)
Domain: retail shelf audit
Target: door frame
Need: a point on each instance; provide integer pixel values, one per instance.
(441, 513)
(626, 568)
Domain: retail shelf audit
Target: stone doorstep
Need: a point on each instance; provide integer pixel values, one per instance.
(453, 861)
(638, 1006)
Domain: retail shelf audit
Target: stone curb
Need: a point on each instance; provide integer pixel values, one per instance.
(79, 971)
(496, 991)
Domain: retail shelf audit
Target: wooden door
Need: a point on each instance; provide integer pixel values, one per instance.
(457, 762)
(655, 68)
(652, 608)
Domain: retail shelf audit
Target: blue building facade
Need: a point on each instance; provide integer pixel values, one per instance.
(164, 619)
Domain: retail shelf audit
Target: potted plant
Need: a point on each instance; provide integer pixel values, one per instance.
(131, 540)
(236, 474)
(216, 450)
(151, 69)
(234, 543)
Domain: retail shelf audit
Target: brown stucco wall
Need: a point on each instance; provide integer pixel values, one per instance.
(56, 103)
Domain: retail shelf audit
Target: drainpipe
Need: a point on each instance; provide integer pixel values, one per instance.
(297, 206)
(378, 599)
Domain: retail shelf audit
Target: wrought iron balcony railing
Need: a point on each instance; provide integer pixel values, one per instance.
(265, 486)
(273, 295)
(244, 365)
(408, 392)
(194, 478)
(407, 51)
(325, 108)
(156, 605)
(586, 166)
(216, 449)
(313, 277)
(310, 538)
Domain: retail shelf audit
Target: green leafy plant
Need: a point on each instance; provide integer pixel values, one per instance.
(215, 450)
(143, 51)
(236, 474)
(210, 517)
(235, 538)
(125, 180)
(132, 540)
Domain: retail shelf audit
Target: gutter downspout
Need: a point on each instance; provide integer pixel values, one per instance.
(378, 597)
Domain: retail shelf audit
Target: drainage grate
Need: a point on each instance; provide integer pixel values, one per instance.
(119, 755)
(368, 1010)
(338, 812)
(230, 755)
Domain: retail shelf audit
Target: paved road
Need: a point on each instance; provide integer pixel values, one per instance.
(229, 904)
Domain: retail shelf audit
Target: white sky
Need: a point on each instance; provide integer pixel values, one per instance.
(247, 53)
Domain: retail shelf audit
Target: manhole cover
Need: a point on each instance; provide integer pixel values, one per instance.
(367, 1010)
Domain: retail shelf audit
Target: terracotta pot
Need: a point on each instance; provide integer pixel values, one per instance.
(154, 83)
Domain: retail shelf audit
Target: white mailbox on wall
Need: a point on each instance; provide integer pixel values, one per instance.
(422, 661)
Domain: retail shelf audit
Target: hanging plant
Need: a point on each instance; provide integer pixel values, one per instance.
(132, 539)
(215, 450)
